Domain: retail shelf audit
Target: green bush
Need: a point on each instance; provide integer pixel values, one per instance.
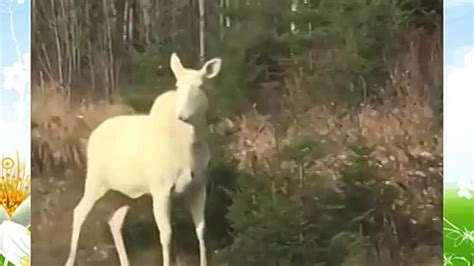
(316, 224)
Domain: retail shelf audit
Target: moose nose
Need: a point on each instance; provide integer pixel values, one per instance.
(183, 118)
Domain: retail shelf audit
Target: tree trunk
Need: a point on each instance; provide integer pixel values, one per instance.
(119, 26)
(201, 31)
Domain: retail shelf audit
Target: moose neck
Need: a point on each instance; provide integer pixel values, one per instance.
(198, 129)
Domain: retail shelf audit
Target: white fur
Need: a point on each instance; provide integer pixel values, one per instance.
(161, 154)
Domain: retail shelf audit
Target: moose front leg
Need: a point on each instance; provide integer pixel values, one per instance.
(196, 202)
(162, 213)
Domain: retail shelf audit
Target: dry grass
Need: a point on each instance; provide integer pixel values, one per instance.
(60, 129)
(397, 131)
(399, 135)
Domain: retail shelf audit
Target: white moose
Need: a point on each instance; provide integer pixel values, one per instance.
(163, 154)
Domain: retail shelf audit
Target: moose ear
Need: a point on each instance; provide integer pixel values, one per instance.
(211, 68)
(176, 65)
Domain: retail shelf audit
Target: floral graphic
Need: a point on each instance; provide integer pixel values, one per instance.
(15, 220)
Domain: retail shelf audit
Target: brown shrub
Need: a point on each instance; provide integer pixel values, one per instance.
(60, 129)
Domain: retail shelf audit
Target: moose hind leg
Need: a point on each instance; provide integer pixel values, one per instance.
(92, 194)
(115, 224)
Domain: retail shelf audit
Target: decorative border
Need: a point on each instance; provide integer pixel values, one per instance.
(15, 132)
(458, 210)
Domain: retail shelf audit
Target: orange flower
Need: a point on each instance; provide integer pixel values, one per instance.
(14, 185)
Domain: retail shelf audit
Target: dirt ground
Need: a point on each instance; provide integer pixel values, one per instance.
(55, 198)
